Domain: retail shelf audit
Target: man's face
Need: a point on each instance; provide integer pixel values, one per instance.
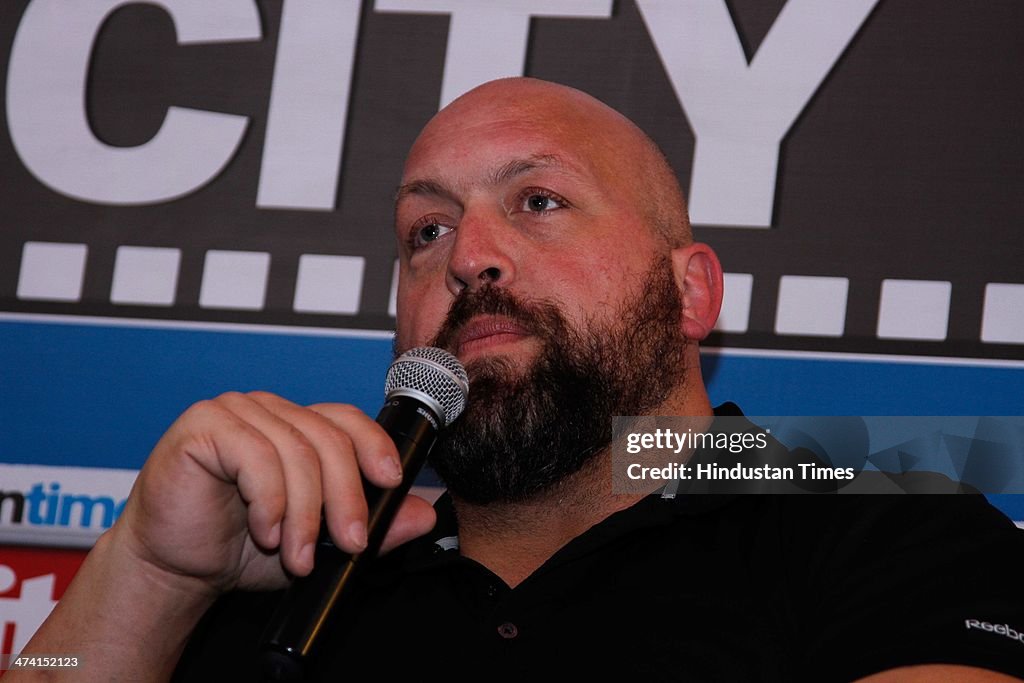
(525, 251)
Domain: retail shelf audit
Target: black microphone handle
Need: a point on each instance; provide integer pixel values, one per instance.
(303, 613)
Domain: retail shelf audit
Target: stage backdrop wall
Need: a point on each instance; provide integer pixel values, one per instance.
(197, 196)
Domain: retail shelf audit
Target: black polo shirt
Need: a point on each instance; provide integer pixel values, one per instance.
(694, 588)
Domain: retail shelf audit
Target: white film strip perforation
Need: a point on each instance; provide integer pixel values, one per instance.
(331, 284)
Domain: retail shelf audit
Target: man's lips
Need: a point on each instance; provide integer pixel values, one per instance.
(486, 331)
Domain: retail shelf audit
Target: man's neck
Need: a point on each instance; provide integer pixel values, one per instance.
(514, 539)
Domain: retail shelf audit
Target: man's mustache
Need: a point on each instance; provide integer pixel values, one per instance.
(489, 300)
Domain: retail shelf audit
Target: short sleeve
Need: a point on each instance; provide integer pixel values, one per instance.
(911, 579)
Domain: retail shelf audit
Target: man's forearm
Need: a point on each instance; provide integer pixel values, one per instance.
(122, 619)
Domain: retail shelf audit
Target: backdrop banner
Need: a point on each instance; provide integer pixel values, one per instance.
(197, 197)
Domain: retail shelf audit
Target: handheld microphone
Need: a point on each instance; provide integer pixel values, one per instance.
(425, 390)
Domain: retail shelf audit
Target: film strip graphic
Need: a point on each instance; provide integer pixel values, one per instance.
(331, 285)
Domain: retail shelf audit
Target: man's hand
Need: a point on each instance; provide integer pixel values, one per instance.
(231, 497)
(232, 493)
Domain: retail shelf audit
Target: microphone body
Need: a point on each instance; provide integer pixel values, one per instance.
(412, 417)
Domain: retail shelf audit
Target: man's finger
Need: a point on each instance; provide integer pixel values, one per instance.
(300, 464)
(374, 449)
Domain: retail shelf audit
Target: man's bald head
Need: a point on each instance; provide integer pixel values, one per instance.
(625, 156)
(544, 240)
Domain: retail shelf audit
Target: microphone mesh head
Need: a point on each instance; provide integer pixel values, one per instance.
(433, 372)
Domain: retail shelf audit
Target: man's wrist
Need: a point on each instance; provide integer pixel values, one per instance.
(125, 557)
(123, 616)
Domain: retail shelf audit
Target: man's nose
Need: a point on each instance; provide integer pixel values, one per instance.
(482, 253)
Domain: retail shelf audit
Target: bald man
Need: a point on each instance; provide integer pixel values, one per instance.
(543, 240)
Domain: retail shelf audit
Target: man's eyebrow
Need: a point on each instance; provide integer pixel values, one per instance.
(504, 173)
(518, 167)
(425, 186)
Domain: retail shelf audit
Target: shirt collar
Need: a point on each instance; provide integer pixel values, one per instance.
(441, 546)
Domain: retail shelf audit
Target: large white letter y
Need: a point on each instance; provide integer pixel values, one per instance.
(739, 112)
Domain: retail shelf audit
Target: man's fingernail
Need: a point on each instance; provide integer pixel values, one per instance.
(357, 533)
(306, 555)
(395, 469)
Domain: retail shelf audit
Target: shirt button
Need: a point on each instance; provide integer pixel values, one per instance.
(508, 630)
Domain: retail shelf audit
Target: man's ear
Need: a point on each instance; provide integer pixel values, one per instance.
(698, 275)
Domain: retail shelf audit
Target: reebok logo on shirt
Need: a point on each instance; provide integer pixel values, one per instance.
(1001, 629)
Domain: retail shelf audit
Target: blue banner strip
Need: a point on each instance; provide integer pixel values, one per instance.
(100, 396)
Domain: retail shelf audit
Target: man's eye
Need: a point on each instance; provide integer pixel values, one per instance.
(541, 202)
(428, 233)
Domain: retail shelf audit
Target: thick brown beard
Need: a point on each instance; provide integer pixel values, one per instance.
(524, 431)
